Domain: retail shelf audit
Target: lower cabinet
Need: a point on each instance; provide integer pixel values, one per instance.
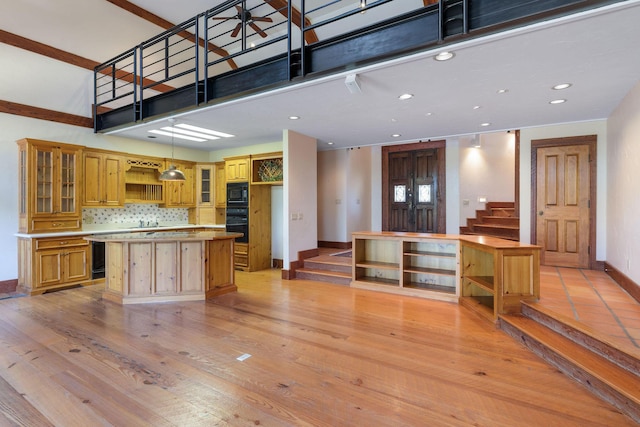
(497, 275)
(51, 263)
(149, 271)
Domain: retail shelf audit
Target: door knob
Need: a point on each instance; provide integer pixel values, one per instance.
(541, 213)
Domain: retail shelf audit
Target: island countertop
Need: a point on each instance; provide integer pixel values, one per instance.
(163, 236)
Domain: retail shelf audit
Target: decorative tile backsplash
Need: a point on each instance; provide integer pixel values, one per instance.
(134, 213)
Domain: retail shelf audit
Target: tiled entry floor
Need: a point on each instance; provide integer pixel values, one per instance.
(593, 298)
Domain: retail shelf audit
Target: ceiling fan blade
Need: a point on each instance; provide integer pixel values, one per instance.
(236, 30)
(261, 19)
(257, 29)
(224, 17)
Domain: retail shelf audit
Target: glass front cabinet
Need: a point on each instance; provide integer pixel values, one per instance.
(48, 186)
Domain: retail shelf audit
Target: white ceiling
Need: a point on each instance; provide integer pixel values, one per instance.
(595, 51)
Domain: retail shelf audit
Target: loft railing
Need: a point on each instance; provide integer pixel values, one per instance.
(244, 46)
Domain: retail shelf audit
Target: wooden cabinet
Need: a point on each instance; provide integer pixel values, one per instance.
(103, 178)
(50, 263)
(256, 254)
(181, 194)
(237, 169)
(221, 185)
(267, 169)
(498, 274)
(142, 183)
(407, 263)
(204, 212)
(49, 186)
(489, 275)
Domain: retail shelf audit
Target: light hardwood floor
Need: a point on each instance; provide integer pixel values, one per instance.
(320, 355)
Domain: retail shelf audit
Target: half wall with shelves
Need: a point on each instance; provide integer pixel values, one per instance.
(413, 264)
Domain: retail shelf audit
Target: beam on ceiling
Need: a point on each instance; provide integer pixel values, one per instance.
(296, 18)
(44, 114)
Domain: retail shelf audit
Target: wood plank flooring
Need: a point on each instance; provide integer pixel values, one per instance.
(316, 354)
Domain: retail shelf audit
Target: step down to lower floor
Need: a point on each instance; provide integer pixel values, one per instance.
(337, 277)
(601, 376)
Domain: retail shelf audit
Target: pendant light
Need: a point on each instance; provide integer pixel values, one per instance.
(173, 173)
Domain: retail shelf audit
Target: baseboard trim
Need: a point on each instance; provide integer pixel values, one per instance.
(8, 286)
(625, 282)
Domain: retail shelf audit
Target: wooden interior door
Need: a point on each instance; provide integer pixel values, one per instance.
(562, 205)
(413, 180)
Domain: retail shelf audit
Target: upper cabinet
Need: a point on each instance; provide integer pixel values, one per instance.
(267, 169)
(142, 180)
(181, 194)
(49, 186)
(205, 174)
(221, 185)
(103, 179)
(237, 168)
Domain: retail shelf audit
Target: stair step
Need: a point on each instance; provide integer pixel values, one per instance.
(339, 266)
(618, 353)
(602, 377)
(336, 277)
(502, 231)
(501, 220)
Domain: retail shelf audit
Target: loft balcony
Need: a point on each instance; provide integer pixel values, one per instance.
(243, 47)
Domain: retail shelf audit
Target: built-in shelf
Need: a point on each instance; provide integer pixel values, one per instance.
(489, 275)
(267, 169)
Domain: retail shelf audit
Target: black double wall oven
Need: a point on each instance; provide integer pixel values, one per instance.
(238, 210)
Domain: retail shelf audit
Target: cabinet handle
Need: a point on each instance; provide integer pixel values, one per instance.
(63, 243)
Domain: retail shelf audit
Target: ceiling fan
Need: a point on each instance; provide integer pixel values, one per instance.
(245, 16)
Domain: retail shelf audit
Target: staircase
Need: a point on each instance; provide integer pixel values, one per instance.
(326, 268)
(607, 370)
(496, 220)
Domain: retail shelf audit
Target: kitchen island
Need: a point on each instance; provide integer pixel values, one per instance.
(167, 266)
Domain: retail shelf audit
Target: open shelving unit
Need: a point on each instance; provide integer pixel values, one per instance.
(407, 263)
(488, 275)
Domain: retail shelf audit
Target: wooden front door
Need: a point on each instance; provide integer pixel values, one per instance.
(413, 185)
(563, 196)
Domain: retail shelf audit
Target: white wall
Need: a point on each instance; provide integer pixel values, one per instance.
(332, 195)
(358, 187)
(623, 201)
(598, 128)
(487, 171)
(300, 195)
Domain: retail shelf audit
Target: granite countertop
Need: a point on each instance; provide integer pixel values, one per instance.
(119, 228)
(170, 236)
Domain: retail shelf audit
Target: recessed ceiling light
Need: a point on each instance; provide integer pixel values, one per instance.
(485, 124)
(503, 90)
(429, 114)
(476, 107)
(294, 117)
(444, 56)
(561, 86)
(558, 101)
(329, 143)
(405, 96)
(189, 132)
(204, 130)
(176, 135)
(396, 135)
